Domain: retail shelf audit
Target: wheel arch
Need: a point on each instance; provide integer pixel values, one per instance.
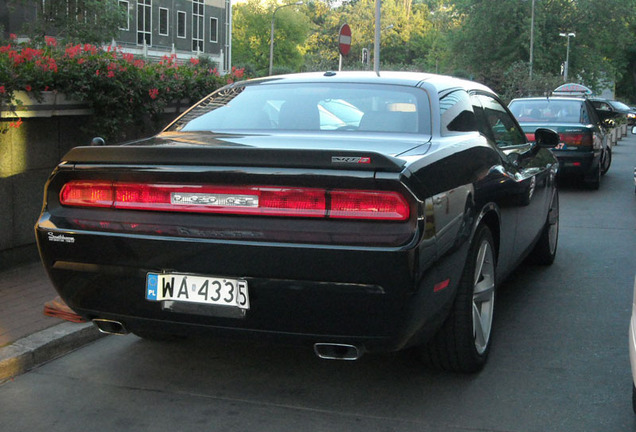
(490, 217)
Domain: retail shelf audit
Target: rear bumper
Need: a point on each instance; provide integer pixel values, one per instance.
(578, 163)
(377, 298)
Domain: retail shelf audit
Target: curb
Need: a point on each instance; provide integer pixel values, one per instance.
(41, 347)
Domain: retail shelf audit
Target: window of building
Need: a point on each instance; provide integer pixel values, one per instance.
(163, 21)
(49, 9)
(214, 29)
(197, 25)
(125, 25)
(181, 24)
(144, 22)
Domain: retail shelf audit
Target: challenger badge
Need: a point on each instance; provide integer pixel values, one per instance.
(350, 160)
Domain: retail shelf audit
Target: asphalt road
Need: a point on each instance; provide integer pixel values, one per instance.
(559, 360)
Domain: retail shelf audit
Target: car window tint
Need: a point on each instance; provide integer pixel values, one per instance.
(548, 111)
(497, 123)
(333, 107)
(602, 106)
(620, 105)
(588, 116)
(456, 113)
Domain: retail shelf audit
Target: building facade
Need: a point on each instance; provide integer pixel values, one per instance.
(156, 28)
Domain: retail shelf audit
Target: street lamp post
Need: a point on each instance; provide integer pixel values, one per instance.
(376, 38)
(531, 39)
(567, 54)
(271, 35)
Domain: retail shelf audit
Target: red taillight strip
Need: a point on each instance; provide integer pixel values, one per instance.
(576, 139)
(88, 193)
(354, 204)
(248, 200)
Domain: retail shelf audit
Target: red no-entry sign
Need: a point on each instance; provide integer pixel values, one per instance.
(344, 39)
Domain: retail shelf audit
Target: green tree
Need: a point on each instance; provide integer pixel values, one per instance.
(320, 49)
(490, 38)
(251, 36)
(405, 41)
(495, 35)
(487, 40)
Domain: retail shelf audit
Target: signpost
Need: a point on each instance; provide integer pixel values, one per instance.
(344, 42)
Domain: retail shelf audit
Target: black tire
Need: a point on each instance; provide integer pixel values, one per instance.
(634, 398)
(463, 342)
(606, 162)
(545, 250)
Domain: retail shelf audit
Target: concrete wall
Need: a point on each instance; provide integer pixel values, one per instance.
(28, 154)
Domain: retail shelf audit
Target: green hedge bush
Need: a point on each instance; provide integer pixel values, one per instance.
(121, 90)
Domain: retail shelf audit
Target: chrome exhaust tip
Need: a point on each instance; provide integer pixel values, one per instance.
(110, 327)
(333, 351)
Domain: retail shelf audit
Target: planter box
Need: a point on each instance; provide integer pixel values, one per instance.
(50, 104)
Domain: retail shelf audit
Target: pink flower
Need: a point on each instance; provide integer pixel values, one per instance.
(194, 61)
(110, 74)
(238, 73)
(27, 88)
(153, 93)
(2, 90)
(13, 36)
(50, 41)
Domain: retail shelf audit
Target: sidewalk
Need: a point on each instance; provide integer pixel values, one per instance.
(28, 338)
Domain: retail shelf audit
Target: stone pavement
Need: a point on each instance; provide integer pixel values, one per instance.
(23, 292)
(27, 336)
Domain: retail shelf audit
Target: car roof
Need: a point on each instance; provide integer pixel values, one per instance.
(439, 82)
(553, 98)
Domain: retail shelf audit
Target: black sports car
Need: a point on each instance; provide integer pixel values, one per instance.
(348, 211)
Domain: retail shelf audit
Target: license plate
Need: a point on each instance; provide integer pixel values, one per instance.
(197, 289)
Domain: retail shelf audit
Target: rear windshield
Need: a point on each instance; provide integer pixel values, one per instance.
(549, 111)
(312, 107)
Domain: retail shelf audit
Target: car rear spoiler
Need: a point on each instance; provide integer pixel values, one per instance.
(247, 156)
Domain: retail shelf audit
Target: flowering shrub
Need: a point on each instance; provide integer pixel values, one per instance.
(120, 89)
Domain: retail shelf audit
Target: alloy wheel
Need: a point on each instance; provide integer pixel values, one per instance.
(483, 296)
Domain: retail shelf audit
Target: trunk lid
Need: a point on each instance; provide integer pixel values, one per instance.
(378, 152)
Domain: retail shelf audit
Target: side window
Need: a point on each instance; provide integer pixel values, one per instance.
(497, 123)
(588, 114)
(456, 113)
(603, 106)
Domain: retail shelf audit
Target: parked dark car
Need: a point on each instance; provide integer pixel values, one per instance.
(254, 215)
(584, 150)
(614, 109)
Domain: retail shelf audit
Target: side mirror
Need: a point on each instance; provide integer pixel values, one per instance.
(546, 138)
